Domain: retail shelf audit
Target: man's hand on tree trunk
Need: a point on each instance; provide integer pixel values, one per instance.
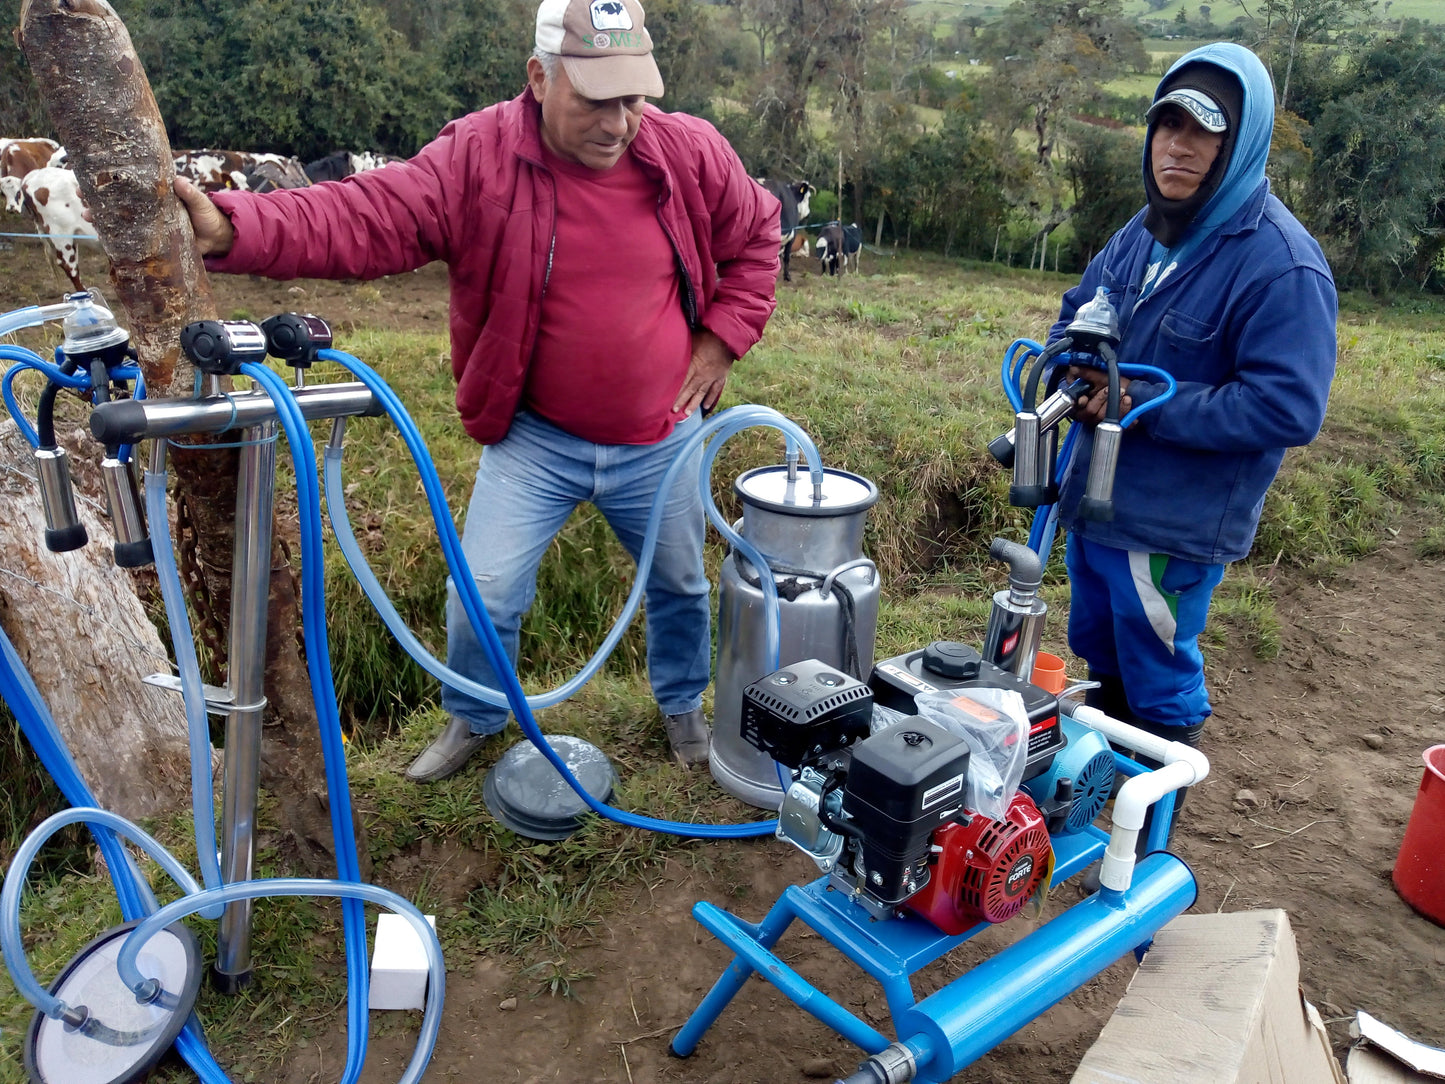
(214, 235)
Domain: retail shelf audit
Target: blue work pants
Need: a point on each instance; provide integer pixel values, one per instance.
(1137, 617)
(526, 487)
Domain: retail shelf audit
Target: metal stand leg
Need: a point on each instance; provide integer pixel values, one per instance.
(765, 935)
(890, 952)
(250, 591)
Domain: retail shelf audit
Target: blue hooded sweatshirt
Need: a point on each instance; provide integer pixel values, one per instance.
(1242, 314)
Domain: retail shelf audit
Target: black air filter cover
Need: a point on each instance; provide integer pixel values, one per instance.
(805, 709)
(903, 783)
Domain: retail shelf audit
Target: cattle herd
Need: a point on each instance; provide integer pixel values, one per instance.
(34, 181)
(837, 246)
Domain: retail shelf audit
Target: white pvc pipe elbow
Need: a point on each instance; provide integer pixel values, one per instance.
(1184, 766)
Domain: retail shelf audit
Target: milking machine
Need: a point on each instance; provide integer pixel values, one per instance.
(941, 791)
(938, 791)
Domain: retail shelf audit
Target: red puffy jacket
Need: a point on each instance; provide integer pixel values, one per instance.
(479, 198)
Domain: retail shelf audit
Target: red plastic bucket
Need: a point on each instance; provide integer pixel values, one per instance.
(1420, 869)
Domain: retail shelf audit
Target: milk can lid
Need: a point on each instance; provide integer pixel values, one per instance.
(769, 488)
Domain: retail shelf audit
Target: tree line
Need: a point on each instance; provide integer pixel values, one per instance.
(992, 139)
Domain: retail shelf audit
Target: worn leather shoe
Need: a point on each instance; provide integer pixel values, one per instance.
(448, 754)
(690, 737)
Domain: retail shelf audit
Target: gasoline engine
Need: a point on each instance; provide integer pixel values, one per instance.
(881, 807)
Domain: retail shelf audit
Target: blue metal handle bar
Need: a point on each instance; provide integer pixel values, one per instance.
(733, 933)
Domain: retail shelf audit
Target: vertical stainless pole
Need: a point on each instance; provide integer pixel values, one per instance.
(250, 591)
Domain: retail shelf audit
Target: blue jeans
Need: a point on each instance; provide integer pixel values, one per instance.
(1137, 616)
(526, 487)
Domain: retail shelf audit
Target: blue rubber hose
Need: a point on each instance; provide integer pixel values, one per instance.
(26, 704)
(350, 893)
(371, 586)
(131, 890)
(196, 901)
(10, 943)
(487, 635)
(318, 665)
(1018, 354)
(34, 316)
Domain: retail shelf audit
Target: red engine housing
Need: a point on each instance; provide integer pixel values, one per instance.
(986, 870)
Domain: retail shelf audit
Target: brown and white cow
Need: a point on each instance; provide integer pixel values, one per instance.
(17, 158)
(212, 171)
(51, 196)
(245, 171)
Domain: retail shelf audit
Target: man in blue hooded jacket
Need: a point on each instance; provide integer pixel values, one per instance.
(1218, 284)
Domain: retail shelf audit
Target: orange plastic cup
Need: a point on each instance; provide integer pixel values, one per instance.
(1048, 673)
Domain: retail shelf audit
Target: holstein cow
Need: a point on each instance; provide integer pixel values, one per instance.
(51, 197)
(837, 246)
(794, 196)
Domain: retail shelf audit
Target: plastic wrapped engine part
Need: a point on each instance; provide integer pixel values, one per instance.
(995, 724)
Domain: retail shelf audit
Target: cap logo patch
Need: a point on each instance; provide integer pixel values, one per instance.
(1203, 109)
(609, 15)
(1197, 104)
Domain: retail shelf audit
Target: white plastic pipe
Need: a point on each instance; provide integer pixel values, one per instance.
(1183, 767)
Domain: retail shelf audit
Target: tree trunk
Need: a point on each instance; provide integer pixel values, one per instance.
(97, 95)
(85, 638)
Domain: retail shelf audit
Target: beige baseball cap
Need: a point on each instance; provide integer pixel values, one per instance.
(603, 45)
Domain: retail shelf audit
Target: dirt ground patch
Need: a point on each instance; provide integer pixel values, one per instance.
(1327, 738)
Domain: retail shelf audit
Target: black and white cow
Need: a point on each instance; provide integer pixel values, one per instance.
(794, 196)
(342, 164)
(837, 246)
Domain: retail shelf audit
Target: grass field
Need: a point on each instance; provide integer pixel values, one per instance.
(1222, 12)
(894, 374)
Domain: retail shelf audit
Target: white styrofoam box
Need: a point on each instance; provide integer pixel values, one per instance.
(398, 964)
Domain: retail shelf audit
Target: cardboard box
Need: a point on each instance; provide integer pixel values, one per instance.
(1386, 1056)
(1215, 1001)
(398, 964)
(1367, 1065)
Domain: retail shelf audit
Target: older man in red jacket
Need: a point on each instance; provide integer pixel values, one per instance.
(608, 264)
